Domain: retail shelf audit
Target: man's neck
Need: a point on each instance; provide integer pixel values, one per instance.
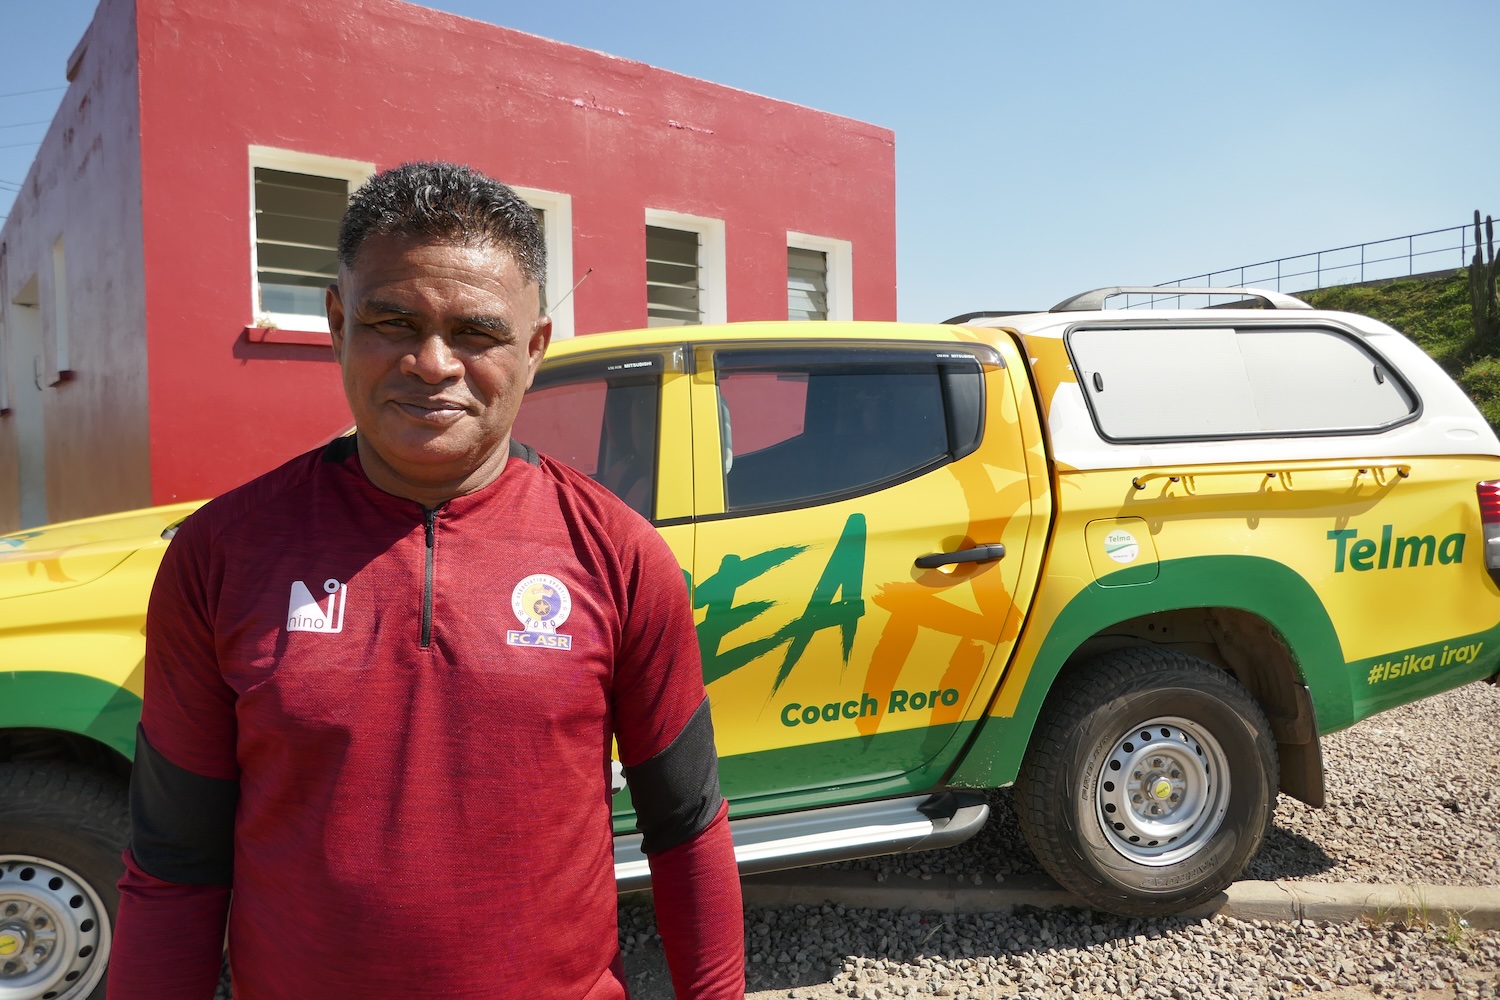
(439, 489)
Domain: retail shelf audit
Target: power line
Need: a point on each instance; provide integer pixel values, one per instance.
(44, 121)
(44, 90)
(18, 145)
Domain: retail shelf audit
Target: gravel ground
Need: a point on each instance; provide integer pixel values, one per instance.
(1412, 798)
(827, 952)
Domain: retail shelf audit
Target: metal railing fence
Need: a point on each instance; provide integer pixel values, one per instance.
(1398, 257)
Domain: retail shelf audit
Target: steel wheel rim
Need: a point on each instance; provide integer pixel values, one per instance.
(1162, 791)
(54, 931)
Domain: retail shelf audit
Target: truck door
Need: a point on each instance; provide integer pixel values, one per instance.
(861, 515)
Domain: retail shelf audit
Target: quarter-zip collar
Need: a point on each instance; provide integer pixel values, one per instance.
(431, 524)
(343, 449)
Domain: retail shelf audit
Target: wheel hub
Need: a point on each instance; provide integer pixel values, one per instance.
(54, 932)
(1162, 791)
(13, 939)
(28, 937)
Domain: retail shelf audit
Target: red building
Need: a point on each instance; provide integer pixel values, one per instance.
(161, 328)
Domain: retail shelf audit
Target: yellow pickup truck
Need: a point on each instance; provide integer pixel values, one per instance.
(1134, 563)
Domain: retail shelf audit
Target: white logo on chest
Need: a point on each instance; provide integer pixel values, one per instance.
(304, 614)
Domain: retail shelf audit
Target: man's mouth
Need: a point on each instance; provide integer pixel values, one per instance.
(440, 412)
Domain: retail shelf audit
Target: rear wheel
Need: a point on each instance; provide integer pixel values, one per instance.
(1149, 783)
(62, 831)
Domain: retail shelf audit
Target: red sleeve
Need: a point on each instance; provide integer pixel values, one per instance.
(665, 736)
(695, 887)
(188, 708)
(169, 938)
(174, 896)
(658, 675)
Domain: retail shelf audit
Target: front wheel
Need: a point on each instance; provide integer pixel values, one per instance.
(62, 830)
(1149, 783)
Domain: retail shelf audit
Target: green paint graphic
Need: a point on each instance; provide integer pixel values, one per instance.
(837, 602)
(70, 703)
(844, 575)
(724, 616)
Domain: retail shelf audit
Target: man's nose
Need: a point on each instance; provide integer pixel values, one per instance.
(433, 360)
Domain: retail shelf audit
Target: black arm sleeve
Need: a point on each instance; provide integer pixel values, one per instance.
(676, 793)
(181, 823)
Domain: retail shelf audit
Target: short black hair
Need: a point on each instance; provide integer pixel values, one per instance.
(448, 202)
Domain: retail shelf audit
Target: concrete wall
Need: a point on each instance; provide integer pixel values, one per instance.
(76, 440)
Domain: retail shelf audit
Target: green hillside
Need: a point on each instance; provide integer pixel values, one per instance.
(1435, 313)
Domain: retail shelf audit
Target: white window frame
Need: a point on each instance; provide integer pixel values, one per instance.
(558, 209)
(713, 295)
(840, 277)
(353, 171)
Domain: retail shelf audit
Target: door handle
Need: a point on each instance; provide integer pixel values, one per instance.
(979, 553)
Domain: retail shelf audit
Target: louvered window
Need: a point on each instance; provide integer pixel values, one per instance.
(806, 284)
(296, 238)
(673, 270)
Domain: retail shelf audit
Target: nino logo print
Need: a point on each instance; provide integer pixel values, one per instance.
(304, 613)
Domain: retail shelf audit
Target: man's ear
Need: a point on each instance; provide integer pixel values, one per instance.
(536, 347)
(333, 304)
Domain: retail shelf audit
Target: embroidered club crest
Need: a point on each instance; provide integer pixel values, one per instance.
(542, 603)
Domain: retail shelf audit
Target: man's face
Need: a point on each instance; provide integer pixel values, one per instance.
(438, 342)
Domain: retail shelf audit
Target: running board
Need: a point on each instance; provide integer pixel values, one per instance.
(836, 833)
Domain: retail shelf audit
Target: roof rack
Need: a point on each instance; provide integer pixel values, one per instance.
(963, 318)
(1094, 300)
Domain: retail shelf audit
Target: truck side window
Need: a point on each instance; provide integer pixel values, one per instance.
(809, 429)
(1224, 382)
(601, 423)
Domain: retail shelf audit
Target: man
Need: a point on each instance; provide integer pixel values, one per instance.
(382, 680)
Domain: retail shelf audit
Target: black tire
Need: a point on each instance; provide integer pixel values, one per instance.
(62, 830)
(1171, 831)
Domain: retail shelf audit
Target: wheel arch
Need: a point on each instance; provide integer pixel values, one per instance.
(1253, 617)
(55, 715)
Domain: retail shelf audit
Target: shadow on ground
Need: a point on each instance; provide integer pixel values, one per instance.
(1286, 854)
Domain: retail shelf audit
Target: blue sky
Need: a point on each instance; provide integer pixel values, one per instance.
(1045, 148)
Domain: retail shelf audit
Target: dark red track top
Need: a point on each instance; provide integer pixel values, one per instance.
(416, 818)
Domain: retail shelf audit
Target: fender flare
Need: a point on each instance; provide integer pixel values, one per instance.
(73, 703)
(1253, 584)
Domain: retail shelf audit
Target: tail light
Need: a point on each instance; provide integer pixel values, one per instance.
(1489, 517)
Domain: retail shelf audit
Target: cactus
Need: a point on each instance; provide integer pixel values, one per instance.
(1482, 295)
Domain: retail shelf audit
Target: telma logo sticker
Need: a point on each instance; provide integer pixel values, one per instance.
(1362, 554)
(1121, 546)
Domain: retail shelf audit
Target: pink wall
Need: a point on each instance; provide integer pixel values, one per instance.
(385, 82)
(83, 187)
(157, 231)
